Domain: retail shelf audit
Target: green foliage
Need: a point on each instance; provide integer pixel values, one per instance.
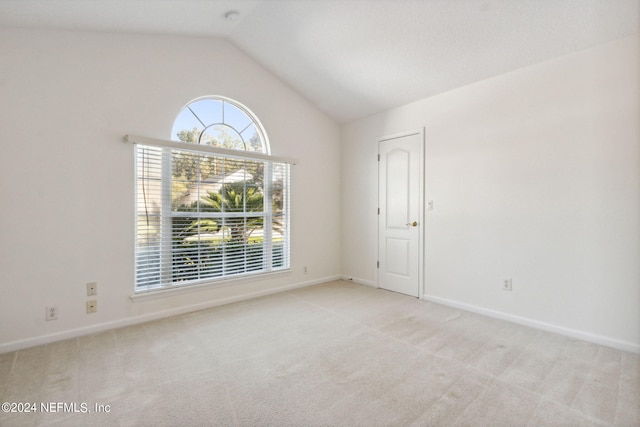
(233, 197)
(214, 245)
(190, 167)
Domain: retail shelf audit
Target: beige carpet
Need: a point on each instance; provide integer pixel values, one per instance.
(333, 354)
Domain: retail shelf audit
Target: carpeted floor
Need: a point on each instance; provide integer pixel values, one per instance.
(333, 354)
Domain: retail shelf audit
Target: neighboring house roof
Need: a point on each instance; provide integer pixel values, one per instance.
(211, 184)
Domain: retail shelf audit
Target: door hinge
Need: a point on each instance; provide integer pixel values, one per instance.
(378, 211)
(377, 264)
(378, 157)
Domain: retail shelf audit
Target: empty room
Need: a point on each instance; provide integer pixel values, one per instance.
(320, 212)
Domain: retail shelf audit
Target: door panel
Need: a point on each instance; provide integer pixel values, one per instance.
(397, 173)
(400, 216)
(398, 256)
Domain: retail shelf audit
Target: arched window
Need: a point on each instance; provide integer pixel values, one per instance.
(220, 122)
(212, 204)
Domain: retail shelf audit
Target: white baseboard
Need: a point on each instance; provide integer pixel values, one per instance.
(359, 281)
(78, 332)
(585, 336)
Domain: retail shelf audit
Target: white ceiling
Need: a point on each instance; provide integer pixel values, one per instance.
(353, 58)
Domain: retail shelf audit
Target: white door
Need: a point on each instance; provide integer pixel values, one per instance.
(400, 177)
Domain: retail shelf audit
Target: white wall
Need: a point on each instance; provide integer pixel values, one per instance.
(535, 176)
(66, 177)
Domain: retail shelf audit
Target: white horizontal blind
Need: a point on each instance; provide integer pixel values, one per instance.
(202, 217)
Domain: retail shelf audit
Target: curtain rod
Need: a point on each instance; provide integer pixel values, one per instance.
(144, 140)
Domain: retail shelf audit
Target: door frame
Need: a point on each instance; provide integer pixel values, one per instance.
(421, 204)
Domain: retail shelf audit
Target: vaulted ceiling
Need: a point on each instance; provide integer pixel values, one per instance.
(353, 58)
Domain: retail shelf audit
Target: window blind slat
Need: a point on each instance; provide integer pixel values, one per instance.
(204, 216)
(229, 153)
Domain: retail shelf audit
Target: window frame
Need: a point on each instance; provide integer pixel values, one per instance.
(167, 213)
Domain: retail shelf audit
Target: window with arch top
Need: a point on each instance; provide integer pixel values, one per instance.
(220, 122)
(212, 204)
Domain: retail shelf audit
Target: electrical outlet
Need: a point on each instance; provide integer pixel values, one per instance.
(92, 306)
(92, 289)
(52, 312)
(507, 285)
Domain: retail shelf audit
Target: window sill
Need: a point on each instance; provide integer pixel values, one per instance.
(168, 291)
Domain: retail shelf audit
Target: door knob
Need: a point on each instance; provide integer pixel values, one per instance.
(413, 224)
